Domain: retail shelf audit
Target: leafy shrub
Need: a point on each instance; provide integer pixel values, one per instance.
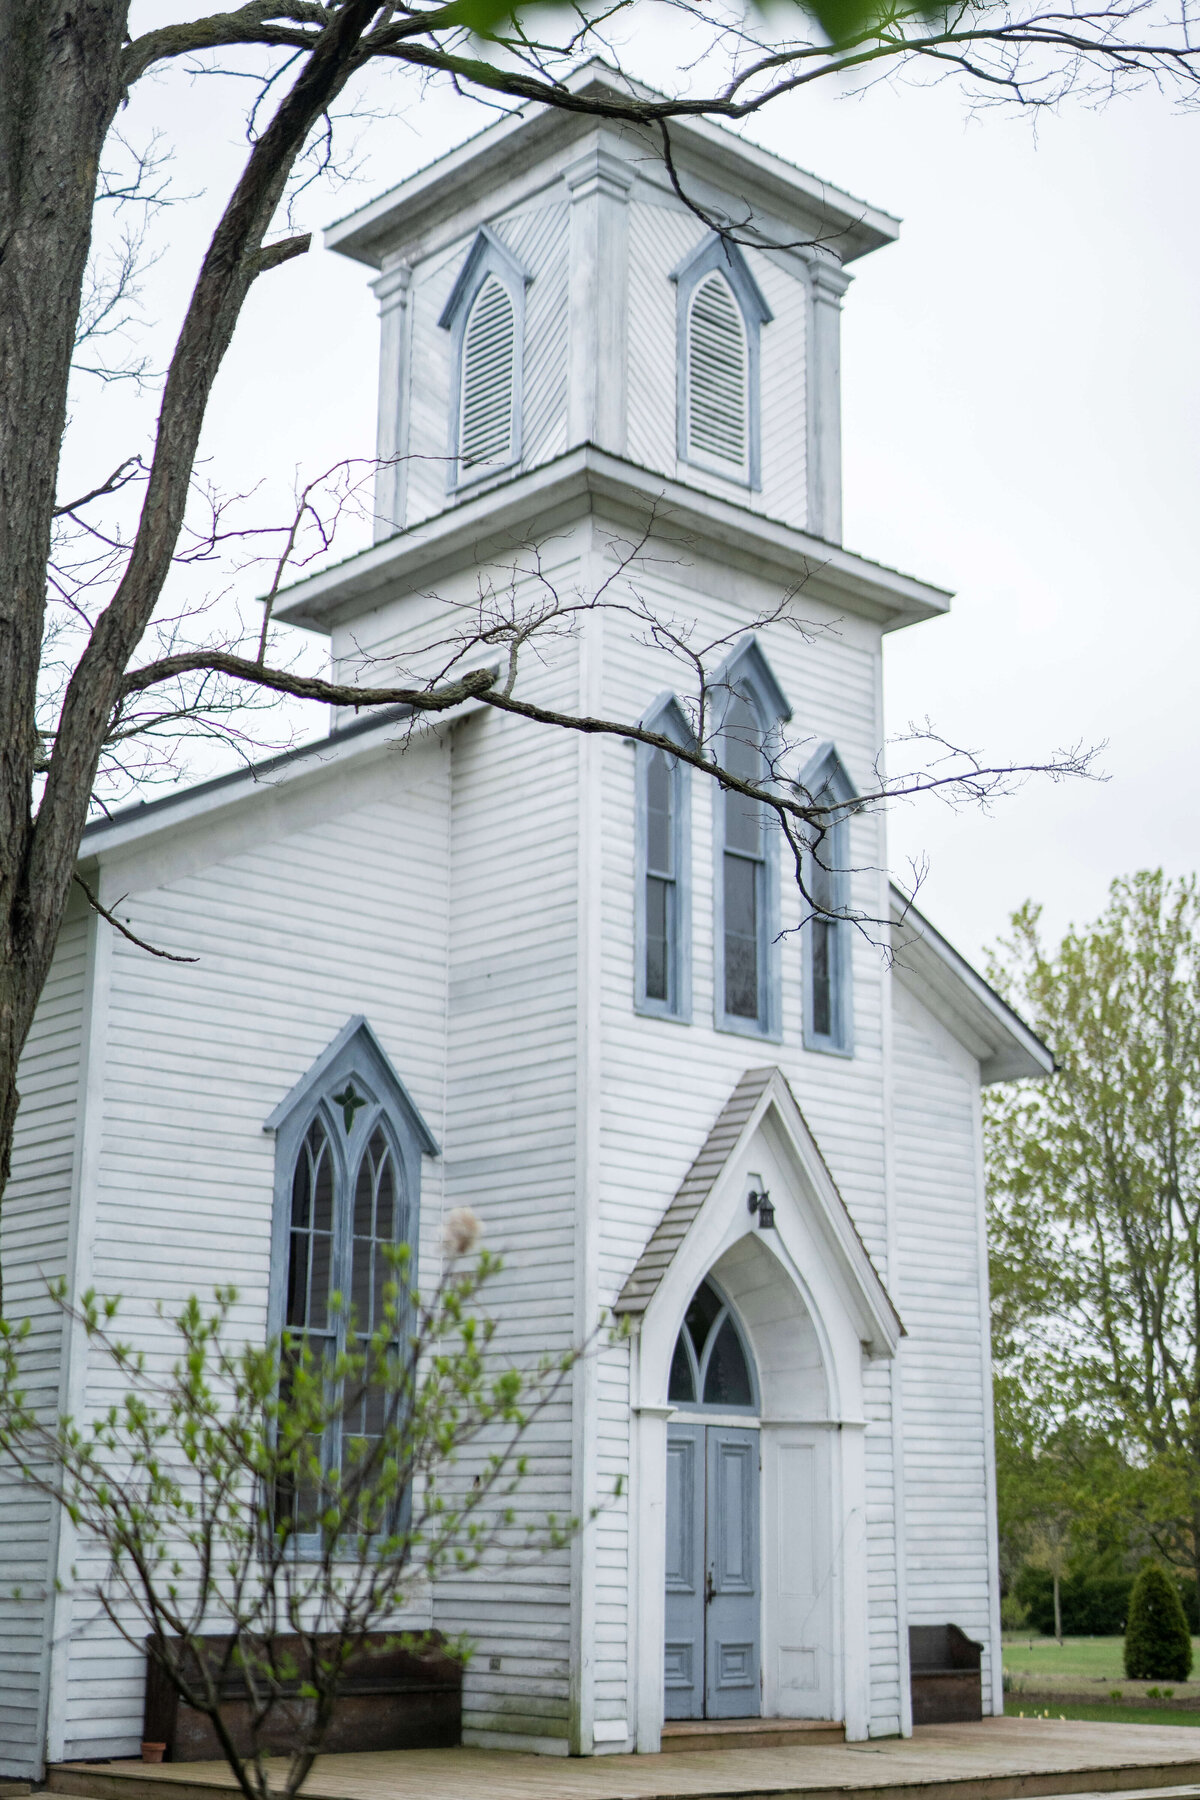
(1157, 1644)
(1092, 1606)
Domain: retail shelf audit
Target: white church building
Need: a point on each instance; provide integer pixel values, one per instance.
(566, 973)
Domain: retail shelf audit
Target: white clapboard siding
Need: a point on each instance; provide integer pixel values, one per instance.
(654, 1116)
(511, 1155)
(938, 1292)
(314, 903)
(34, 1241)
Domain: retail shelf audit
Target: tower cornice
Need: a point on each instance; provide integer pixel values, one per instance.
(522, 509)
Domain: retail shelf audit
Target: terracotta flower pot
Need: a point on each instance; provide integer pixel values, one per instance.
(153, 1752)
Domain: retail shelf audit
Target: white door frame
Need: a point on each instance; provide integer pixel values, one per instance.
(814, 1408)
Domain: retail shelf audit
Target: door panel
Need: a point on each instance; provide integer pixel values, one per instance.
(732, 1685)
(684, 1635)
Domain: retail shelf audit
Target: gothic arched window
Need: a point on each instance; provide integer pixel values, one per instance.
(485, 316)
(718, 379)
(721, 312)
(349, 1143)
(488, 380)
(746, 901)
(828, 1000)
(663, 934)
(710, 1366)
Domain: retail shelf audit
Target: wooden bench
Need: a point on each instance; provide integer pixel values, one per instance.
(390, 1699)
(946, 1675)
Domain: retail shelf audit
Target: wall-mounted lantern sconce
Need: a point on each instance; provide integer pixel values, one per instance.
(760, 1203)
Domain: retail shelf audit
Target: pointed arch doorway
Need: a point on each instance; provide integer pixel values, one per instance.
(712, 1655)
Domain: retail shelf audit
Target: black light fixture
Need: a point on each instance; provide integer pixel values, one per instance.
(760, 1203)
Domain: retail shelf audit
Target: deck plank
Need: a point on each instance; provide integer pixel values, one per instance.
(995, 1759)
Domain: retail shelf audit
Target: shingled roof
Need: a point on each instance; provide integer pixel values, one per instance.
(675, 1223)
(731, 1124)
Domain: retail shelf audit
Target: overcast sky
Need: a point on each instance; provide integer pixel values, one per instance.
(1022, 424)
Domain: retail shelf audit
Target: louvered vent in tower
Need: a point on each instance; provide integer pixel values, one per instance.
(488, 378)
(718, 425)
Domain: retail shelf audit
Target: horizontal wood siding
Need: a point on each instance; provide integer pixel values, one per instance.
(511, 1156)
(938, 1293)
(664, 1083)
(304, 908)
(34, 1238)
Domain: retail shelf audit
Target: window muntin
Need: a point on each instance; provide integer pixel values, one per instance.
(744, 868)
(710, 1366)
(487, 396)
(718, 379)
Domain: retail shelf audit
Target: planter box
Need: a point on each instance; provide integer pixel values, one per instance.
(947, 1683)
(389, 1700)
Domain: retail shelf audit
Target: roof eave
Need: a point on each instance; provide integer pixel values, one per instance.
(851, 226)
(499, 517)
(970, 1008)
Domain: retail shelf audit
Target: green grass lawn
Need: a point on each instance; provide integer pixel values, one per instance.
(1040, 1659)
(1105, 1715)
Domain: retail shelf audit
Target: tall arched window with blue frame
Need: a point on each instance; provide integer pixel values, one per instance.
(663, 926)
(348, 1148)
(826, 936)
(746, 897)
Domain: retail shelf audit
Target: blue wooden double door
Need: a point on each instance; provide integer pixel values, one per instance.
(713, 1602)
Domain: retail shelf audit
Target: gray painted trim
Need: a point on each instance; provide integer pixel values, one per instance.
(373, 1052)
(715, 253)
(487, 256)
(825, 772)
(667, 717)
(354, 1053)
(748, 662)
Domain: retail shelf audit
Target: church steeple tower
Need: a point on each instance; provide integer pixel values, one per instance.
(546, 287)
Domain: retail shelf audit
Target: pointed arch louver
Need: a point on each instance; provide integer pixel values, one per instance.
(718, 384)
(488, 381)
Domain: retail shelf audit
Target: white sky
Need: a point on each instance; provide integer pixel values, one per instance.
(1022, 424)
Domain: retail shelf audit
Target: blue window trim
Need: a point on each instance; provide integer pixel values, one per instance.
(825, 774)
(487, 256)
(667, 717)
(355, 1055)
(748, 670)
(714, 252)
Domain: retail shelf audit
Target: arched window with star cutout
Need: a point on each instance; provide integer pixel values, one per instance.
(349, 1142)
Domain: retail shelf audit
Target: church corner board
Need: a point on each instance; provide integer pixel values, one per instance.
(550, 978)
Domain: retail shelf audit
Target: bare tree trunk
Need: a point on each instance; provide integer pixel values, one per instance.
(56, 105)
(59, 91)
(1058, 1631)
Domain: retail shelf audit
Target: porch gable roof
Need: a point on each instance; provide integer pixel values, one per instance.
(758, 1091)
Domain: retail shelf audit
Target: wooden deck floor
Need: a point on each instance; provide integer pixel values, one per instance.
(998, 1759)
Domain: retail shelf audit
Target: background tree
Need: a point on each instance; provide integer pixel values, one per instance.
(67, 68)
(1094, 1184)
(1157, 1645)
